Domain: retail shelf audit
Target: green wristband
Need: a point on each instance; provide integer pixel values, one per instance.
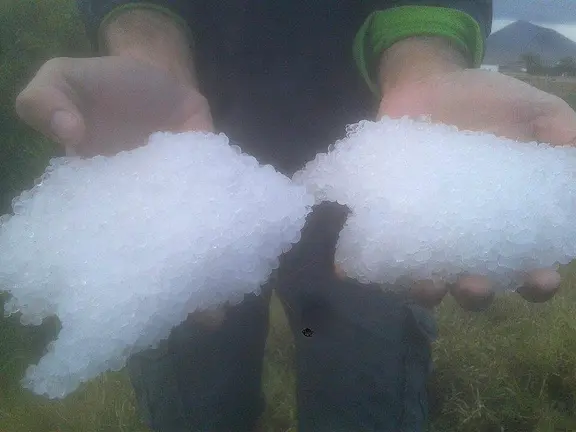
(142, 5)
(384, 28)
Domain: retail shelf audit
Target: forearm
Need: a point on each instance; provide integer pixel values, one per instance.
(414, 59)
(409, 33)
(152, 37)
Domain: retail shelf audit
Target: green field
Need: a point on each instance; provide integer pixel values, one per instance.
(510, 368)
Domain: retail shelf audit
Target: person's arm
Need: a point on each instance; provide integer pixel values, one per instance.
(153, 32)
(420, 60)
(402, 39)
(416, 58)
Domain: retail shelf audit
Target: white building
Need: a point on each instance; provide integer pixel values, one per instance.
(493, 68)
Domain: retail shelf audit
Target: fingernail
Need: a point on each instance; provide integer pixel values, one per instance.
(63, 124)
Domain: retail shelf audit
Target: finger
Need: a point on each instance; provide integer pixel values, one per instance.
(339, 272)
(473, 293)
(540, 285)
(193, 115)
(558, 127)
(46, 105)
(428, 293)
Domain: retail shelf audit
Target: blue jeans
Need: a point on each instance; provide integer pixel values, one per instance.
(362, 353)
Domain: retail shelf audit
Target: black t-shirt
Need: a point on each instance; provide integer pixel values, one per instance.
(287, 92)
(280, 74)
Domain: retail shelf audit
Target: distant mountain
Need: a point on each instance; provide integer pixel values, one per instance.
(521, 37)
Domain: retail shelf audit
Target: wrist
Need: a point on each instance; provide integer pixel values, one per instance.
(152, 37)
(417, 59)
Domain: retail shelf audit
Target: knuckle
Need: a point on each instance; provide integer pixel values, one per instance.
(54, 64)
(23, 101)
(52, 68)
(202, 102)
(27, 100)
(40, 83)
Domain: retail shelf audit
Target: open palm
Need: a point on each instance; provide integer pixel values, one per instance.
(486, 101)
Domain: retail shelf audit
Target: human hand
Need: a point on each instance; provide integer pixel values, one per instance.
(104, 105)
(100, 106)
(440, 87)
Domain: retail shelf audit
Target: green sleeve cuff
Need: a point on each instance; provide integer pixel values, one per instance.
(384, 28)
(141, 5)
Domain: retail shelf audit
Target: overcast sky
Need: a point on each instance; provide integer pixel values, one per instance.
(557, 14)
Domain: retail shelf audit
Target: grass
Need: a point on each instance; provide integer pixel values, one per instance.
(511, 368)
(107, 403)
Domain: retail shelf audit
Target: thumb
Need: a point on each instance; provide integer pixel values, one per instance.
(557, 128)
(52, 113)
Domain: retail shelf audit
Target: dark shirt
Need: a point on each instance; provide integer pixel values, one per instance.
(280, 75)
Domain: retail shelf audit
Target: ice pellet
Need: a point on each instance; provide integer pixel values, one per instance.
(429, 201)
(124, 248)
